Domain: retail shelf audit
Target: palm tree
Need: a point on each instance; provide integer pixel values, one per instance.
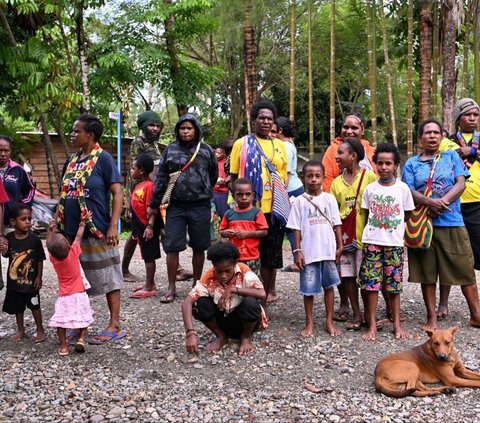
(332, 69)
(425, 60)
(435, 59)
(250, 51)
(410, 80)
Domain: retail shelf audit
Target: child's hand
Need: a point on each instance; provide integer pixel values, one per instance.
(225, 299)
(52, 225)
(148, 233)
(37, 284)
(338, 254)
(241, 234)
(299, 259)
(86, 217)
(227, 233)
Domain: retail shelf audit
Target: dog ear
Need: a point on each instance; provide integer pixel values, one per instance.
(453, 329)
(428, 330)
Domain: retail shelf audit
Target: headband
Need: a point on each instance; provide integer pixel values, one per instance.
(355, 117)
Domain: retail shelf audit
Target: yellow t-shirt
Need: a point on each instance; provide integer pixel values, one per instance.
(277, 154)
(345, 196)
(472, 184)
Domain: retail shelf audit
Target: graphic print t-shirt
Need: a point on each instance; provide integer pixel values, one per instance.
(386, 207)
(23, 257)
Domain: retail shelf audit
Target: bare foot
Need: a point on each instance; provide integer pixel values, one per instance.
(370, 335)
(40, 337)
(442, 312)
(216, 345)
(332, 330)
(246, 346)
(431, 323)
(307, 330)
(400, 333)
(19, 336)
(272, 298)
(128, 277)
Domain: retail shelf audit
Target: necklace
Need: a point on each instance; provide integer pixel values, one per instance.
(387, 181)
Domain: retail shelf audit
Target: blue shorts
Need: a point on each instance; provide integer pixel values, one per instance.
(316, 277)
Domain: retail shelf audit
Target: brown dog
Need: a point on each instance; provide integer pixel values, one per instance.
(399, 375)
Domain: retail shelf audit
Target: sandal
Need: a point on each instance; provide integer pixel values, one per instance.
(167, 298)
(63, 352)
(341, 316)
(80, 346)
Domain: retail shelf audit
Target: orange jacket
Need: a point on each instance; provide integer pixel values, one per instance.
(331, 166)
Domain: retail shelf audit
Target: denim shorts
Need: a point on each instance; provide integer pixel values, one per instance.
(316, 277)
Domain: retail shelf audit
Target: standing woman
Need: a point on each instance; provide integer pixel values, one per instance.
(286, 133)
(90, 181)
(16, 181)
(353, 127)
(189, 207)
(450, 257)
(246, 162)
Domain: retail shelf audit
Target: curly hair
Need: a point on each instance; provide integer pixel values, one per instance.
(387, 148)
(263, 104)
(223, 251)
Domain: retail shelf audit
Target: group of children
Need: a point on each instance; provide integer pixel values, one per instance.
(382, 206)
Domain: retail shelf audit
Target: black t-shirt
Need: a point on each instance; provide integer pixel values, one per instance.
(23, 257)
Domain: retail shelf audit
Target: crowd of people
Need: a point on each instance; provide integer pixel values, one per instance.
(346, 226)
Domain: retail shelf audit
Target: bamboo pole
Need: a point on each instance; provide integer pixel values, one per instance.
(410, 80)
(435, 61)
(476, 50)
(371, 72)
(388, 75)
(310, 84)
(292, 59)
(332, 69)
(466, 51)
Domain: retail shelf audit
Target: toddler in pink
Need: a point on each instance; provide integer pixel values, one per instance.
(72, 308)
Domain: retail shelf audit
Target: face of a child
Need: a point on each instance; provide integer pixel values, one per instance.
(23, 222)
(274, 131)
(224, 270)
(220, 153)
(344, 158)
(313, 178)
(243, 195)
(135, 172)
(386, 165)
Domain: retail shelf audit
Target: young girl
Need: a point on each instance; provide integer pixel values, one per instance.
(388, 203)
(145, 230)
(316, 224)
(72, 308)
(348, 189)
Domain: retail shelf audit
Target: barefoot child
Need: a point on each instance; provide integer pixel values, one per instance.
(316, 224)
(389, 203)
(146, 231)
(72, 308)
(245, 224)
(225, 300)
(25, 267)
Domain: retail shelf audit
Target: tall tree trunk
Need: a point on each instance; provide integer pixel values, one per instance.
(388, 75)
(410, 80)
(372, 71)
(476, 49)
(6, 26)
(466, 49)
(53, 170)
(450, 9)
(82, 54)
(250, 53)
(61, 132)
(171, 46)
(292, 58)
(310, 83)
(424, 102)
(435, 59)
(332, 69)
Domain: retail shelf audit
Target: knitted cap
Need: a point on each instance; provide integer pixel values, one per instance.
(147, 118)
(462, 106)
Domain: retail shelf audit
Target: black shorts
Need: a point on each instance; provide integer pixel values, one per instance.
(195, 219)
(17, 302)
(271, 254)
(470, 213)
(149, 250)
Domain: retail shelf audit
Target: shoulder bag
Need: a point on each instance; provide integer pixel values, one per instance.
(419, 227)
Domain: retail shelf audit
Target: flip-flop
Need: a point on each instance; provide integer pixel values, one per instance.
(114, 336)
(63, 353)
(72, 336)
(79, 346)
(142, 293)
(39, 341)
(167, 298)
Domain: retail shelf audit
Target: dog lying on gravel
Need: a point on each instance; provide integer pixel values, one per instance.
(399, 375)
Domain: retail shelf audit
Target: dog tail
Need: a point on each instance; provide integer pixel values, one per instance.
(381, 386)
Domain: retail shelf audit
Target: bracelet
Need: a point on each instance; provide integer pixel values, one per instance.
(296, 250)
(190, 330)
(150, 226)
(190, 334)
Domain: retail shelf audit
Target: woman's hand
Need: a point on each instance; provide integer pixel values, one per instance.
(437, 206)
(112, 235)
(148, 233)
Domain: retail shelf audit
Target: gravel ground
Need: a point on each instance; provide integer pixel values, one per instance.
(149, 376)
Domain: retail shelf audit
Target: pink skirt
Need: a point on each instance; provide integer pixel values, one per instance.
(72, 312)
